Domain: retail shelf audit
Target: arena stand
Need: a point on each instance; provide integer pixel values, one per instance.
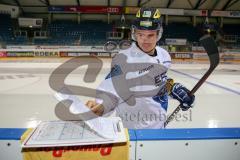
(180, 39)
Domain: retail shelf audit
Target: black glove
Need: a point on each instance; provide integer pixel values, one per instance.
(181, 93)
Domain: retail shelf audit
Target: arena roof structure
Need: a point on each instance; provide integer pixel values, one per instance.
(41, 6)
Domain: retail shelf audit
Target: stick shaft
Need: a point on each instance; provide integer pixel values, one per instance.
(195, 88)
(213, 55)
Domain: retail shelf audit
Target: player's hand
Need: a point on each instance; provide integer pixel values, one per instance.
(181, 93)
(96, 108)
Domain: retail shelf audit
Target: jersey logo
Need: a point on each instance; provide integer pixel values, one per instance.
(147, 14)
(145, 69)
(115, 71)
(159, 79)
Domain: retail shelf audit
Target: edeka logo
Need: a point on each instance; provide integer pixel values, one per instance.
(103, 150)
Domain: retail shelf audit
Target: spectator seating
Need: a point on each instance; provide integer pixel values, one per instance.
(6, 31)
(85, 33)
(181, 30)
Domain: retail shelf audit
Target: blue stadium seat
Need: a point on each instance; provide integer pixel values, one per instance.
(87, 33)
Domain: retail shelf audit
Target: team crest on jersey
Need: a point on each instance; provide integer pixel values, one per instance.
(147, 14)
(115, 71)
(159, 79)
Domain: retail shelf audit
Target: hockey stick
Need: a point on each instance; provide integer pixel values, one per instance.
(213, 55)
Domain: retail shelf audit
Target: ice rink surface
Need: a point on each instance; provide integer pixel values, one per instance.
(26, 98)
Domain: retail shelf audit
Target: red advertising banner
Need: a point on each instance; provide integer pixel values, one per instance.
(204, 12)
(63, 54)
(100, 9)
(94, 9)
(3, 54)
(71, 9)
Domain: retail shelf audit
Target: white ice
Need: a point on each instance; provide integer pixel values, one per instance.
(26, 98)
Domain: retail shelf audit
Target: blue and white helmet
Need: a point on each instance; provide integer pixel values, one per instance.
(147, 18)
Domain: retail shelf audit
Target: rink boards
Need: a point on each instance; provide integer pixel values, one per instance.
(194, 143)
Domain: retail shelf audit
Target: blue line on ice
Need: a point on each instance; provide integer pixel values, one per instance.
(210, 83)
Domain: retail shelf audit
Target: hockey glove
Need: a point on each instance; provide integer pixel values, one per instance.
(181, 93)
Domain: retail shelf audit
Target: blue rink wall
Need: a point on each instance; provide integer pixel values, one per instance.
(193, 143)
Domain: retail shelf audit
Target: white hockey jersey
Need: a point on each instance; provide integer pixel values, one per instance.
(146, 112)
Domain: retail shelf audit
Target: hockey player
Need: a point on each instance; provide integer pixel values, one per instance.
(146, 112)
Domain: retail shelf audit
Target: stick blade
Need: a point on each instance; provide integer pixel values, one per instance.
(211, 48)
